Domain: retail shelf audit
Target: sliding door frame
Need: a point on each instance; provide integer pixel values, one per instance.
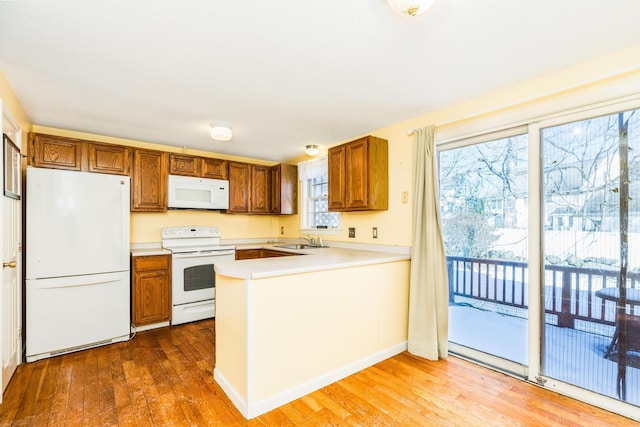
(536, 254)
(476, 133)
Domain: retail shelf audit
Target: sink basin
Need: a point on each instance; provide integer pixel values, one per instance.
(298, 246)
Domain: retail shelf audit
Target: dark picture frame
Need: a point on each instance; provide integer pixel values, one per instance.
(11, 168)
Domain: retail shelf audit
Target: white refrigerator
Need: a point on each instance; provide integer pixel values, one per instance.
(77, 261)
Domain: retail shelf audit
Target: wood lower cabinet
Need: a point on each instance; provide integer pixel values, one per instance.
(150, 289)
(247, 254)
(261, 253)
(149, 181)
(359, 175)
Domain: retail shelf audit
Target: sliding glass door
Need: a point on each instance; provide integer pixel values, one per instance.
(483, 204)
(591, 254)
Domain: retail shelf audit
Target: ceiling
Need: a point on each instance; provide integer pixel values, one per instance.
(283, 73)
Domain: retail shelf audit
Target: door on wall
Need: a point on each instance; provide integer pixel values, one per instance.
(591, 214)
(483, 203)
(11, 233)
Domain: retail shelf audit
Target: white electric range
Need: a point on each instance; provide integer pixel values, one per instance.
(195, 250)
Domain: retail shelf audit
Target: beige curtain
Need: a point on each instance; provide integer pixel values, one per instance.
(428, 294)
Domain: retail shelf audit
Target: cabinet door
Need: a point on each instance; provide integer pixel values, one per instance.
(214, 168)
(239, 178)
(111, 159)
(275, 189)
(271, 253)
(284, 189)
(357, 185)
(260, 185)
(248, 253)
(337, 177)
(149, 181)
(151, 293)
(288, 189)
(182, 164)
(56, 152)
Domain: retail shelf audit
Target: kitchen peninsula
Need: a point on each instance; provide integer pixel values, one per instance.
(290, 325)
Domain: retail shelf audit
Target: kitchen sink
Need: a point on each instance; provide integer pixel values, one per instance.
(299, 246)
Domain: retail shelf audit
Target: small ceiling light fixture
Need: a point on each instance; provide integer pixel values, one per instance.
(312, 150)
(411, 8)
(221, 132)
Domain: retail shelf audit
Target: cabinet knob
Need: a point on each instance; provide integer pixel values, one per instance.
(11, 264)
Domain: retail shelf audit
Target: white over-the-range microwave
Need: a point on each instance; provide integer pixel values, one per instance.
(186, 192)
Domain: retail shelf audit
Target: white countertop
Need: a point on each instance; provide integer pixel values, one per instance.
(150, 252)
(309, 260)
(148, 249)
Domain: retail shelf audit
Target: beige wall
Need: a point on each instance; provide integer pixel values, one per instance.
(11, 102)
(557, 91)
(606, 77)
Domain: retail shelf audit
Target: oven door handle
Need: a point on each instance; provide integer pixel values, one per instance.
(204, 254)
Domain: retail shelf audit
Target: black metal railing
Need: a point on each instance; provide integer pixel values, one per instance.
(569, 292)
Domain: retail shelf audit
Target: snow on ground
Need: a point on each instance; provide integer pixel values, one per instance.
(571, 356)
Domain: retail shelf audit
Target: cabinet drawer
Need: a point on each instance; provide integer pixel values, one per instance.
(152, 263)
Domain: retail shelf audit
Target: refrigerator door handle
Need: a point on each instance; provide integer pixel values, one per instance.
(77, 281)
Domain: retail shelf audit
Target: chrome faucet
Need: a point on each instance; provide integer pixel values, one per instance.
(310, 240)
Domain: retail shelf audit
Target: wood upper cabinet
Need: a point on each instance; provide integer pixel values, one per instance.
(284, 189)
(108, 158)
(57, 152)
(336, 196)
(203, 167)
(182, 164)
(260, 189)
(149, 181)
(249, 187)
(359, 175)
(239, 185)
(48, 151)
(151, 289)
(214, 168)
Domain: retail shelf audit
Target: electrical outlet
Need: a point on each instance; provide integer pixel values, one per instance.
(375, 232)
(282, 230)
(352, 232)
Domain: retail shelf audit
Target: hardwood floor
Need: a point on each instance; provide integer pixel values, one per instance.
(164, 377)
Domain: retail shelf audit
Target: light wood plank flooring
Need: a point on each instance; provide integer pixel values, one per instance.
(164, 377)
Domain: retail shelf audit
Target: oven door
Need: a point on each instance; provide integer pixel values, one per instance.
(193, 277)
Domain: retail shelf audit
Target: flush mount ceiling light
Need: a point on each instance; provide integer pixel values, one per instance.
(221, 132)
(311, 150)
(411, 8)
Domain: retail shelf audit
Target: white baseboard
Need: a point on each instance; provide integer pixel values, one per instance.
(252, 410)
(231, 392)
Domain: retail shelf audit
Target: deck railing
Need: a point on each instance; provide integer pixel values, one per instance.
(569, 292)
